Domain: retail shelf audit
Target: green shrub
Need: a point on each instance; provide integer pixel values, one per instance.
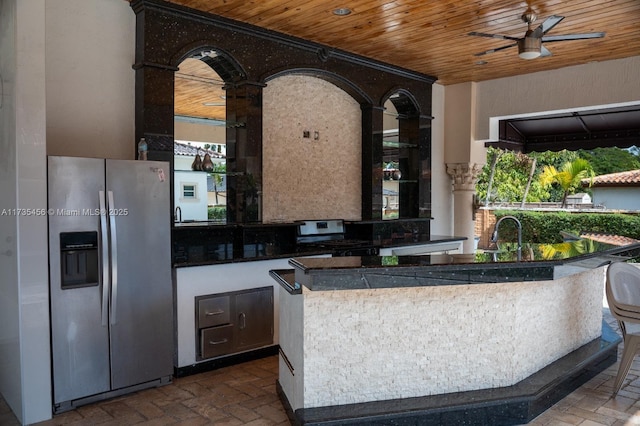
(545, 227)
(217, 213)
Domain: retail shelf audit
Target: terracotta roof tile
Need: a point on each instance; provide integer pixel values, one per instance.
(184, 149)
(630, 178)
(616, 240)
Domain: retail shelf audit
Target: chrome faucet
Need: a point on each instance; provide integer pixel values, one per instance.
(177, 217)
(494, 236)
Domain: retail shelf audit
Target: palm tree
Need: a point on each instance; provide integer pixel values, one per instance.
(569, 177)
(567, 249)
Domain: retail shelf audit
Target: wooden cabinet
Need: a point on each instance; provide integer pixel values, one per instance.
(233, 322)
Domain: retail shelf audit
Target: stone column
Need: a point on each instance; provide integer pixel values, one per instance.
(464, 176)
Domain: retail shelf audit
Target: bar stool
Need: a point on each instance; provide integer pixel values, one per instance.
(623, 296)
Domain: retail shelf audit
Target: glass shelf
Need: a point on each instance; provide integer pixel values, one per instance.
(396, 144)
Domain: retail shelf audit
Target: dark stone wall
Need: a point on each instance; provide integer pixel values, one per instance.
(166, 34)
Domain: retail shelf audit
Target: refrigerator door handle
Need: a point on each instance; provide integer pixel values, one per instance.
(104, 249)
(114, 258)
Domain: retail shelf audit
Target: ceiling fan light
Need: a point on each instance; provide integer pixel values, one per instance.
(529, 55)
(529, 47)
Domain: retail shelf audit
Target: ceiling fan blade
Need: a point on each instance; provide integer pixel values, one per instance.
(550, 22)
(544, 52)
(495, 50)
(501, 37)
(565, 37)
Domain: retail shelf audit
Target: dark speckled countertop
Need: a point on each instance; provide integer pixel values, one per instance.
(537, 262)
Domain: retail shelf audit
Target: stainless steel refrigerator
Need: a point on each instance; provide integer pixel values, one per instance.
(110, 277)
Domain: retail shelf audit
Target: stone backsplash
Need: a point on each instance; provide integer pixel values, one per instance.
(312, 148)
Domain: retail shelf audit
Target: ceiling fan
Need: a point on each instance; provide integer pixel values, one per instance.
(530, 46)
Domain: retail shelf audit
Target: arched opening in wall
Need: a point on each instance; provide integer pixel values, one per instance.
(400, 160)
(200, 179)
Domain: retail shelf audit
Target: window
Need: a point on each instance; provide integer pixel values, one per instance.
(189, 191)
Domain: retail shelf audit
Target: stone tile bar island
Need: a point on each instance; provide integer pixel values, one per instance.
(487, 338)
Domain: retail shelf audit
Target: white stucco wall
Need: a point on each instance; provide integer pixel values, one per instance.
(90, 46)
(459, 117)
(196, 208)
(182, 162)
(441, 199)
(25, 375)
(10, 375)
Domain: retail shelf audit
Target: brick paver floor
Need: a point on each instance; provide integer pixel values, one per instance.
(245, 394)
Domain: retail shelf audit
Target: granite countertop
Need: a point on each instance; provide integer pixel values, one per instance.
(506, 256)
(198, 243)
(537, 262)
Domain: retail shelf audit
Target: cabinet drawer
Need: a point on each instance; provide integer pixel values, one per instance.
(216, 341)
(213, 311)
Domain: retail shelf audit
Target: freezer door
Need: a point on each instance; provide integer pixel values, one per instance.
(80, 340)
(141, 317)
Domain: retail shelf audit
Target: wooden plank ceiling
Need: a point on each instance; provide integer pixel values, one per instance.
(431, 37)
(198, 91)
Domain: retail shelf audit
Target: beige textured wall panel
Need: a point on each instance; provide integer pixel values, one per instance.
(200, 132)
(379, 344)
(318, 177)
(588, 85)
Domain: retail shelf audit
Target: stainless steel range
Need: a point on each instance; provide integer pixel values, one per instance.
(329, 236)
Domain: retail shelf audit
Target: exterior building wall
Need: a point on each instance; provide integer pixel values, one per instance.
(617, 198)
(191, 208)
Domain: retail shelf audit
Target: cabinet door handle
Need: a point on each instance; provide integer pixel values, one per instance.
(218, 312)
(243, 320)
(218, 342)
